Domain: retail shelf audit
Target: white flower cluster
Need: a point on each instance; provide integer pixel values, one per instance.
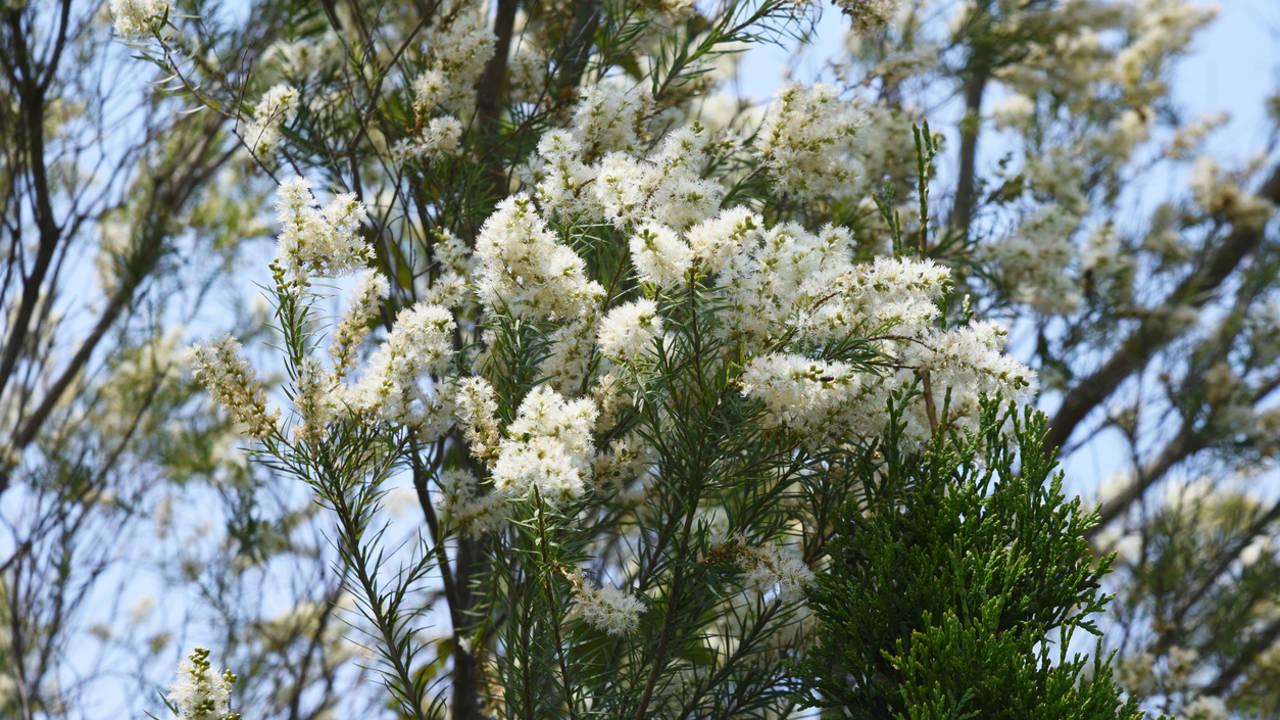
(548, 447)
(661, 258)
(1035, 261)
(199, 693)
(971, 363)
(808, 142)
(524, 270)
(362, 309)
(274, 110)
(628, 332)
(869, 15)
(666, 188)
(134, 18)
(812, 397)
(439, 136)
(459, 45)
(608, 609)
(609, 117)
(477, 411)
(786, 280)
(219, 367)
(325, 241)
(775, 568)
(420, 344)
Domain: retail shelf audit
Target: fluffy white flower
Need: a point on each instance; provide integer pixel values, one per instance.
(607, 609)
(548, 447)
(476, 406)
(362, 308)
(325, 241)
(469, 508)
(775, 568)
(661, 258)
(608, 116)
(440, 136)
(133, 18)
(560, 178)
(219, 367)
(459, 46)
(273, 111)
(568, 359)
(808, 142)
(714, 241)
(808, 396)
(199, 693)
(524, 270)
(627, 332)
(420, 344)
(667, 189)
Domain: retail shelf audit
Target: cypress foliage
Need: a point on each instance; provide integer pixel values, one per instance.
(957, 583)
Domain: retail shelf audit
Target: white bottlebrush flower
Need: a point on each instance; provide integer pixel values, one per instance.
(325, 241)
(661, 258)
(274, 110)
(526, 271)
(568, 358)
(560, 178)
(459, 46)
(420, 344)
(808, 142)
(868, 15)
(801, 394)
(315, 399)
(627, 332)
(607, 609)
(476, 407)
(775, 568)
(198, 692)
(971, 361)
(134, 18)
(716, 240)
(219, 367)
(440, 136)
(548, 447)
(362, 309)
(609, 115)
(667, 188)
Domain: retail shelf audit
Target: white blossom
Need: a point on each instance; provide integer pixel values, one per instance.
(325, 241)
(808, 142)
(219, 367)
(362, 309)
(628, 331)
(274, 110)
(134, 18)
(199, 693)
(660, 257)
(477, 410)
(774, 567)
(420, 344)
(471, 509)
(548, 447)
(608, 609)
(525, 271)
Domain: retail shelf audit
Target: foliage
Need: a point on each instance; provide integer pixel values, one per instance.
(958, 581)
